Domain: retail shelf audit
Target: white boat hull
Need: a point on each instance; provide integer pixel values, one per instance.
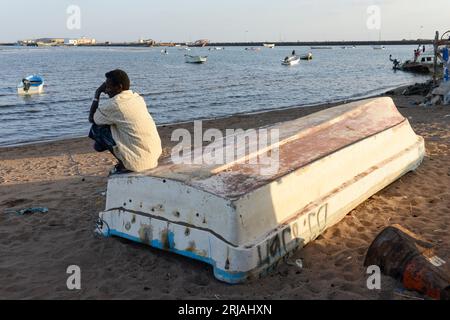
(291, 61)
(243, 223)
(195, 59)
(31, 91)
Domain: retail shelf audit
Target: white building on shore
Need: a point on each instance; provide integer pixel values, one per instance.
(71, 42)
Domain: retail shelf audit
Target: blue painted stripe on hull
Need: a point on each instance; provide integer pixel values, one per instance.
(229, 277)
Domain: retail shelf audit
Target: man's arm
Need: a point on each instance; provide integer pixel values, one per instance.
(96, 101)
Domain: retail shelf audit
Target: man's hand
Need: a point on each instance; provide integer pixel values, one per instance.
(100, 90)
(94, 105)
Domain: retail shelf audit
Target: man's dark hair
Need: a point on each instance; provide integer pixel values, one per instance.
(119, 77)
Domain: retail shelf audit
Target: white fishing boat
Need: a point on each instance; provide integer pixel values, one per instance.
(379, 46)
(290, 61)
(195, 59)
(244, 216)
(269, 45)
(33, 84)
(307, 56)
(423, 63)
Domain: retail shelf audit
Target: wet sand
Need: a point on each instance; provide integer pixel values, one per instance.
(68, 177)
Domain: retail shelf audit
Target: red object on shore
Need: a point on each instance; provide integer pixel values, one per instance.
(405, 256)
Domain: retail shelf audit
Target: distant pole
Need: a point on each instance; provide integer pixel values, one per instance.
(436, 49)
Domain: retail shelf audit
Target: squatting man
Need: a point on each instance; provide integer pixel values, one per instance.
(124, 126)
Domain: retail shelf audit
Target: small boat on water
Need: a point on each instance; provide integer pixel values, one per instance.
(379, 46)
(423, 64)
(253, 49)
(269, 45)
(164, 51)
(195, 59)
(307, 56)
(33, 84)
(290, 61)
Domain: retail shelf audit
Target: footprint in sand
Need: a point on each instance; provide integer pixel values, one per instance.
(13, 202)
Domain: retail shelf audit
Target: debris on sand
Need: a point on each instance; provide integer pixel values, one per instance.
(422, 89)
(27, 211)
(405, 256)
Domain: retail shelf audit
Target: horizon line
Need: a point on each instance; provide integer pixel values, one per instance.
(236, 42)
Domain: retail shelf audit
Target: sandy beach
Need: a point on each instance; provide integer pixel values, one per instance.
(69, 178)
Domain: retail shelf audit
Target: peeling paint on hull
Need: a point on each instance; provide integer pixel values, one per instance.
(242, 223)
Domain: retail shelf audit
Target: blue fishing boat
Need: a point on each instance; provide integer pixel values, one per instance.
(33, 84)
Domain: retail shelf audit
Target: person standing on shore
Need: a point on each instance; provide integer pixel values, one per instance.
(124, 126)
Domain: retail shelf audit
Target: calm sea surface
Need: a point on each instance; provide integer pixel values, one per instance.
(232, 81)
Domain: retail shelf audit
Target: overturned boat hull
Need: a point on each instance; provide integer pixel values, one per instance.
(243, 222)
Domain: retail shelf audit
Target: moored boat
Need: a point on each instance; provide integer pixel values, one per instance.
(33, 84)
(290, 61)
(423, 64)
(307, 56)
(195, 59)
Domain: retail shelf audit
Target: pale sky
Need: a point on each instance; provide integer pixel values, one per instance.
(224, 20)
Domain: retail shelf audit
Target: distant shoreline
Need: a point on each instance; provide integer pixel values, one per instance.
(259, 44)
